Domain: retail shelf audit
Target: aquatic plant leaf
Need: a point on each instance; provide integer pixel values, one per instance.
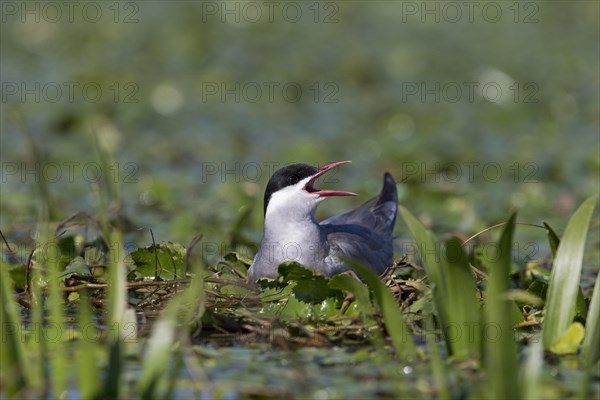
(392, 316)
(13, 356)
(501, 354)
(569, 342)
(552, 239)
(428, 249)
(431, 257)
(166, 259)
(76, 266)
(562, 295)
(238, 262)
(311, 286)
(17, 274)
(87, 362)
(358, 289)
(591, 342)
(531, 372)
(462, 306)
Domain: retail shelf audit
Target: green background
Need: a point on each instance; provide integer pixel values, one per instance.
(407, 87)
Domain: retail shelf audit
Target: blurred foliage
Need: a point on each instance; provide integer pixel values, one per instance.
(156, 65)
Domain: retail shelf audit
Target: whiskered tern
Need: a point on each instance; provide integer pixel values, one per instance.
(291, 232)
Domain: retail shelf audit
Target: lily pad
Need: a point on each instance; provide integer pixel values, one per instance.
(77, 266)
(569, 342)
(311, 286)
(164, 261)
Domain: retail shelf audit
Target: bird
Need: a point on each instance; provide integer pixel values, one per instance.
(291, 232)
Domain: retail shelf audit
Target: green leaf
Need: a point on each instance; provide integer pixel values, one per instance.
(17, 274)
(539, 274)
(501, 349)
(531, 372)
(428, 249)
(590, 349)
(581, 308)
(12, 349)
(116, 306)
(566, 272)
(392, 316)
(463, 315)
(299, 293)
(76, 266)
(591, 343)
(538, 289)
(238, 262)
(159, 351)
(166, 257)
(524, 297)
(93, 256)
(358, 289)
(569, 342)
(68, 247)
(194, 298)
(38, 370)
(552, 239)
(437, 364)
(236, 257)
(232, 268)
(87, 363)
(57, 354)
(311, 285)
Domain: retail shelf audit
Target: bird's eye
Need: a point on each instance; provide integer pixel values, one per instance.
(293, 180)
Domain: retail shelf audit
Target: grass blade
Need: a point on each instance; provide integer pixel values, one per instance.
(428, 250)
(117, 305)
(194, 298)
(392, 316)
(159, 359)
(117, 291)
(159, 350)
(357, 288)
(57, 354)
(565, 275)
(462, 308)
(437, 365)
(38, 158)
(553, 239)
(591, 342)
(37, 348)
(185, 309)
(590, 349)
(13, 372)
(531, 372)
(501, 351)
(87, 370)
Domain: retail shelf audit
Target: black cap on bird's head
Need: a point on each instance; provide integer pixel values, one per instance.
(301, 176)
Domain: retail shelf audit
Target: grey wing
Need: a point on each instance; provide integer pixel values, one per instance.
(378, 213)
(360, 244)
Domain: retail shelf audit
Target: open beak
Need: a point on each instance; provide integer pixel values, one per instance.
(309, 187)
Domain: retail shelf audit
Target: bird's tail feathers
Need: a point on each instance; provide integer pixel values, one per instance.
(387, 202)
(378, 213)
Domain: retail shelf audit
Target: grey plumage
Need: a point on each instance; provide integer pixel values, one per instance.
(365, 233)
(292, 234)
